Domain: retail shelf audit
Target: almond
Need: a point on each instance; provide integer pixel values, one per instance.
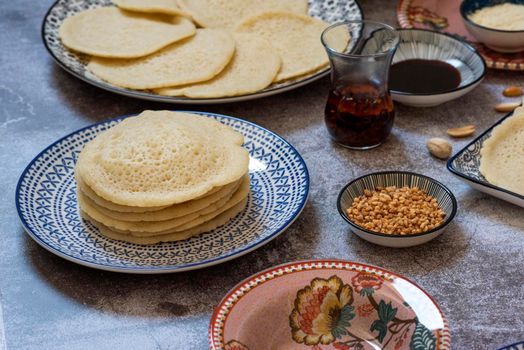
(463, 131)
(506, 106)
(439, 148)
(512, 91)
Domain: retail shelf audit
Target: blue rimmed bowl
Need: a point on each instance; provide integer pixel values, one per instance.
(430, 45)
(355, 188)
(507, 41)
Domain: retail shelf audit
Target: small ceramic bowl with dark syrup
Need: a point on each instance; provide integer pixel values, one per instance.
(431, 68)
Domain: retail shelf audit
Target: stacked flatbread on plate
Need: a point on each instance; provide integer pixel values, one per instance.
(502, 154)
(239, 47)
(162, 176)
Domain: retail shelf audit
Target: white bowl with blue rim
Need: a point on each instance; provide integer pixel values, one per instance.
(429, 45)
(506, 41)
(355, 188)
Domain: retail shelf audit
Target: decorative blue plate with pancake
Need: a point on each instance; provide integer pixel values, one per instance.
(46, 201)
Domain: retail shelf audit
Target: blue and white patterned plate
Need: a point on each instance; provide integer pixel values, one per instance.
(329, 11)
(516, 346)
(46, 203)
(465, 165)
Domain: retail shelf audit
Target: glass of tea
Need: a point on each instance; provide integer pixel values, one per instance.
(359, 112)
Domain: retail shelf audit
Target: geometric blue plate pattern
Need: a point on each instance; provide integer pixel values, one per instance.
(47, 206)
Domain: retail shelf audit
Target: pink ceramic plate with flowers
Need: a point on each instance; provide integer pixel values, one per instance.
(444, 15)
(324, 305)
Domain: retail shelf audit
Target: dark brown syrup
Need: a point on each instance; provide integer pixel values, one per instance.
(359, 115)
(423, 76)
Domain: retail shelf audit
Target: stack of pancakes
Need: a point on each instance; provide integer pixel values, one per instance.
(239, 47)
(162, 176)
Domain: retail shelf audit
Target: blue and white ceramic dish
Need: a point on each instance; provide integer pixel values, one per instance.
(47, 206)
(430, 45)
(516, 346)
(356, 188)
(496, 39)
(75, 64)
(465, 165)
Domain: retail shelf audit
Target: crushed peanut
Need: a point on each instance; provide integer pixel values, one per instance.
(393, 210)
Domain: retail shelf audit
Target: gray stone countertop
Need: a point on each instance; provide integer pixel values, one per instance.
(475, 270)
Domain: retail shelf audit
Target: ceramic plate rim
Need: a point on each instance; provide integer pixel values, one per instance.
(177, 99)
(459, 88)
(438, 183)
(508, 347)
(160, 269)
(312, 263)
(456, 172)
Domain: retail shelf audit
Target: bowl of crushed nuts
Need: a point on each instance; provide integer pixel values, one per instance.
(397, 209)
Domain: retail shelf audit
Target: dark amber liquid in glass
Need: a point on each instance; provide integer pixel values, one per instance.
(359, 115)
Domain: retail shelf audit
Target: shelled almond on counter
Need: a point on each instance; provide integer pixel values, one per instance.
(512, 91)
(463, 131)
(506, 107)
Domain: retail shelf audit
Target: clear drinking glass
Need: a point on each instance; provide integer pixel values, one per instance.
(359, 112)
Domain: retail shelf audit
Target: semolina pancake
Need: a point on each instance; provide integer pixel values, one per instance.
(162, 158)
(193, 60)
(253, 67)
(227, 13)
(210, 225)
(169, 7)
(502, 154)
(168, 226)
(171, 212)
(295, 37)
(111, 32)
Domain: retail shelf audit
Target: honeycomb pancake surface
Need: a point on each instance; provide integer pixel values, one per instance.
(192, 60)
(227, 13)
(161, 158)
(210, 225)
(502, 154)
(167, 213)
(111, 32)
(295, 37)
(169, 7)
(253, 67)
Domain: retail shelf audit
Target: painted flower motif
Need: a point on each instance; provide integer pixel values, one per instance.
(322, 311)
(341, 346)
(235, 345)
(366, 283)
(365, 310)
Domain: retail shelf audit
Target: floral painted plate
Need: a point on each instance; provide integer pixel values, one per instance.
(328, 304)
(465, 165)
(329, 11)
(47, 206)
(445, 16)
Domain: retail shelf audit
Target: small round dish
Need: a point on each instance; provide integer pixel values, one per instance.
(328, 305)
(430, 45)
(355, 188)
(507, 41)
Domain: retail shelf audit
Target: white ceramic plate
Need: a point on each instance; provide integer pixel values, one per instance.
(47, 206)
(329, 11)
(465, 165)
